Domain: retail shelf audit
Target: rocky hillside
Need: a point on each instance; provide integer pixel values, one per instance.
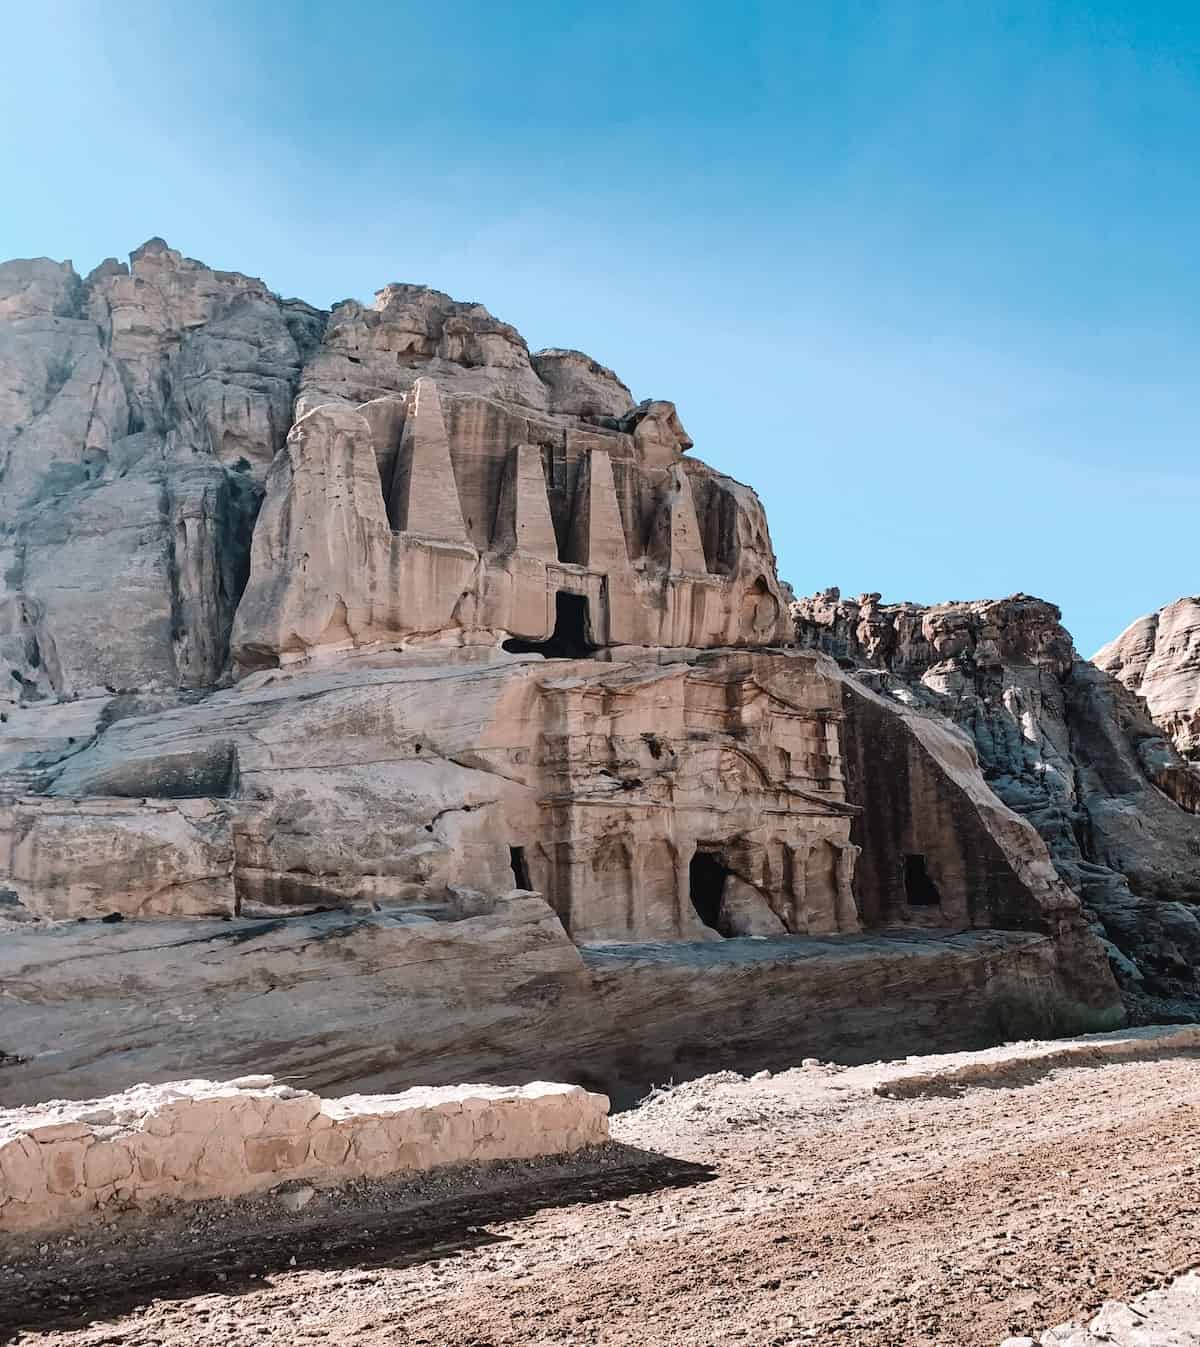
(1158, 657)
(1065, 745)
(441, 711)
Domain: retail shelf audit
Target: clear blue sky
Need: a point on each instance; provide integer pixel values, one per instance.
(925, 274)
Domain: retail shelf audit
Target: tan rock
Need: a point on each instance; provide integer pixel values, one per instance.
(523, 519)
(579, 386)
(410, 331)
(677, 538)
(597, 532)
(744, 911)
(37, 288)
(1059, 741)
(105, 1163)
(66, 860)
(1158, 657)
(136, 410)
(501, 637)
(424, 491)
(187, 1139)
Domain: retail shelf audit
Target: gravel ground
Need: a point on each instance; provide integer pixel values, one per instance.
(795, 1209)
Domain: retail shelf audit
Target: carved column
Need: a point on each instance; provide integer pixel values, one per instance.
(798, 854)
(848, 919)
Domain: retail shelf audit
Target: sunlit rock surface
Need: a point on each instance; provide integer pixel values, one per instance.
(394, 704)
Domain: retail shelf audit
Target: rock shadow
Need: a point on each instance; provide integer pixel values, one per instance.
(230, 1248)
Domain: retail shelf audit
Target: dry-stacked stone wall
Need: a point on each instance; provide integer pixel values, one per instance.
(197, 1139)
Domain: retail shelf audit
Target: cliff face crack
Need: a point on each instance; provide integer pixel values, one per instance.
(457, 809)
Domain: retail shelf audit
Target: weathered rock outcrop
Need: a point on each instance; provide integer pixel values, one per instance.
(376, 1001)
(658, 807)
(483, 724)
(139, 410)
(1158, 657)
(451, 518)
(1059, 741)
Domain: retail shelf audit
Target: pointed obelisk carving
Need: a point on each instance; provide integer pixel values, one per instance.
(523, 519)
(597, 534)
(385, 416)
(424, 492)
(677, 531)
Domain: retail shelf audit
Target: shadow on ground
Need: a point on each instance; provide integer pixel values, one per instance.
(236, 1255)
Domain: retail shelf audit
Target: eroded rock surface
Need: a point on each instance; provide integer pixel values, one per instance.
(139, 410)
(495, 675)
(1158, 657)
(1059, 741)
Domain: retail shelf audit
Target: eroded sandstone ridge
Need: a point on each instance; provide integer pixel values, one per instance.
(443, 713)
(1158, 657)
(1063, 744)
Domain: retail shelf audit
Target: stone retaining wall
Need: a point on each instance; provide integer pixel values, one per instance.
(197, 1139)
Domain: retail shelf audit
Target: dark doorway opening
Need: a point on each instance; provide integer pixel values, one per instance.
(919, 888)
(706, 884)
(569, 640)
(516, 858)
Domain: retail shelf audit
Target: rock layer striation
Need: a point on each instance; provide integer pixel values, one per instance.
(1064, 745)
(1158, 657)
(453, 706)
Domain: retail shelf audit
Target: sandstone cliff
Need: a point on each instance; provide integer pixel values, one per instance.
(432, 700)
(1063, 744)
(1158, 657)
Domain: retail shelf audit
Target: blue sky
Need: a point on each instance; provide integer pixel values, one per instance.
(922, 273)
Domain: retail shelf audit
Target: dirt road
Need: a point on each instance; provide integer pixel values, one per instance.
(798, 1209)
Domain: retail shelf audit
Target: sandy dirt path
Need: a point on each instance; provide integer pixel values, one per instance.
(802, 1209)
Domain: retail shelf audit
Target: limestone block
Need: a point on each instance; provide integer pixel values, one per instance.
(22, 1174)
(106, 1162)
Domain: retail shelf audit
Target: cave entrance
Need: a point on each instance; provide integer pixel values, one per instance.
(919, 888)
(520, 867)
(570, 637)
(706, 885)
